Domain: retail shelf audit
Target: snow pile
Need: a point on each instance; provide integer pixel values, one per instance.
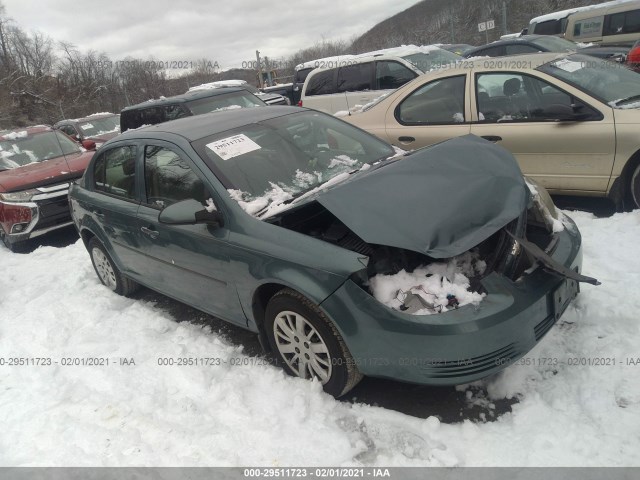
(53, 306)
(218, 84)
(438, 286)
(14, 135)
(266, 203)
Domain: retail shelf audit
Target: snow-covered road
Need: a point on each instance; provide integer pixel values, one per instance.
(52, 306)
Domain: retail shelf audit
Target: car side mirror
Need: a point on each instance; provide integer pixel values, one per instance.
(89, 144)
(189, 212)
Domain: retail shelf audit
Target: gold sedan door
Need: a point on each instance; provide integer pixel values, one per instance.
(559, 136)
(433, 112)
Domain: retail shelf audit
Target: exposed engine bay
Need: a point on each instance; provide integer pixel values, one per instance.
(415, 283)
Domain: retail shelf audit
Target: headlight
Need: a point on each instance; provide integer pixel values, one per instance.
(546, 207)
(23, 196)
(544, 198)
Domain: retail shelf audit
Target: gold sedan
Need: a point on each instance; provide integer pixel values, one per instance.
(572, 121)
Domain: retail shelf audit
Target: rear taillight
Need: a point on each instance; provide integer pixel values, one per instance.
(299, 103)
(634, 55)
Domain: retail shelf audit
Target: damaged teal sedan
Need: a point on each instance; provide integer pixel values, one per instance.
(346, 256)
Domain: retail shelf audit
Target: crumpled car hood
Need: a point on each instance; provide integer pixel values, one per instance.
(440, 201)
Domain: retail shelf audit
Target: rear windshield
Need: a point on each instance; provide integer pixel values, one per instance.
(555, 44)
(227, 101)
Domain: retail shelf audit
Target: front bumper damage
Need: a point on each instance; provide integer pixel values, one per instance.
(466, 344)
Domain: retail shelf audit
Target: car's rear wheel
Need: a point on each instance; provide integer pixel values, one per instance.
(307, 344)
(107, 272)
(634, 187)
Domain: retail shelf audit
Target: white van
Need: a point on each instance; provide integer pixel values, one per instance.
(350, 83)
(612, 24)
(592, 23)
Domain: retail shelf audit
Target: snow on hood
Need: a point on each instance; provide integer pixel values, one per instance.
(440, 201)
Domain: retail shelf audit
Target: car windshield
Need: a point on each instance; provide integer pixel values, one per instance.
(18, 148)
(92, 127)
(227, 101)
(555, 44)
(426, 61)
(610, 82)
(267, 164)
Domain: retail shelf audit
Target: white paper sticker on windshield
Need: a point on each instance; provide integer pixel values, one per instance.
(233, 146)
(568, 65)
(86, 126)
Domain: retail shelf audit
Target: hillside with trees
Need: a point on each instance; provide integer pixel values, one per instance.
(43, 80)
(456, 21)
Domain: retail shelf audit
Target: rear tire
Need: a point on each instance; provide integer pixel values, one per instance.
(634, 187)
(307, 344)
(107, 271)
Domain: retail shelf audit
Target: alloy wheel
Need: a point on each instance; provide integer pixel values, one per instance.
(301, 346)
(104, 268)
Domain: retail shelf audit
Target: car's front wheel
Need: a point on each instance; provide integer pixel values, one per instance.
(108, 273)
(307, 344)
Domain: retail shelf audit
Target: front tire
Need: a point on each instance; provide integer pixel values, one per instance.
(307, 344)
(107, 272)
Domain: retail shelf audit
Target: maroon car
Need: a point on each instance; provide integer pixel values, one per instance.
(98, 128)
(37, 165)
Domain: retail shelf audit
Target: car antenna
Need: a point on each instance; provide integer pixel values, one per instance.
(346, 99)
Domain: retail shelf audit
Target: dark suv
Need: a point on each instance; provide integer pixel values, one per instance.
(37, 165)
(196, 102)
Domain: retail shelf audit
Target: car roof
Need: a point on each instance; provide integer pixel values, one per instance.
(199, 126)
(30, 130)
(528, 60)
(85, 119)
(516, 41)
(185, 97)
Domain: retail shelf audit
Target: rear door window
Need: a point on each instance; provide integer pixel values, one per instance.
(391, 75)
(521, 49)
(355, 78)
(114, 172)
(321, 84)
(438, 102)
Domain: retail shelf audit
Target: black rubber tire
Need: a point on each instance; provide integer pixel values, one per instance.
(634, 187)
(123, 285)
(344, 372)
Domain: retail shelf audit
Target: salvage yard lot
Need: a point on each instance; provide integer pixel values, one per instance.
(575, 399)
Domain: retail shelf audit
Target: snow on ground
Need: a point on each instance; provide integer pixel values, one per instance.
(51, 305)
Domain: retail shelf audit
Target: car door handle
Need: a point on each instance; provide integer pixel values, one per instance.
(152, 233)
(406, 140)
(492, 138)
(98, 214)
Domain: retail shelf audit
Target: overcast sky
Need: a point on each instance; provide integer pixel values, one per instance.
(227, 32)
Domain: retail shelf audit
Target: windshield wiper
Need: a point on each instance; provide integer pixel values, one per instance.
(632, 98)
